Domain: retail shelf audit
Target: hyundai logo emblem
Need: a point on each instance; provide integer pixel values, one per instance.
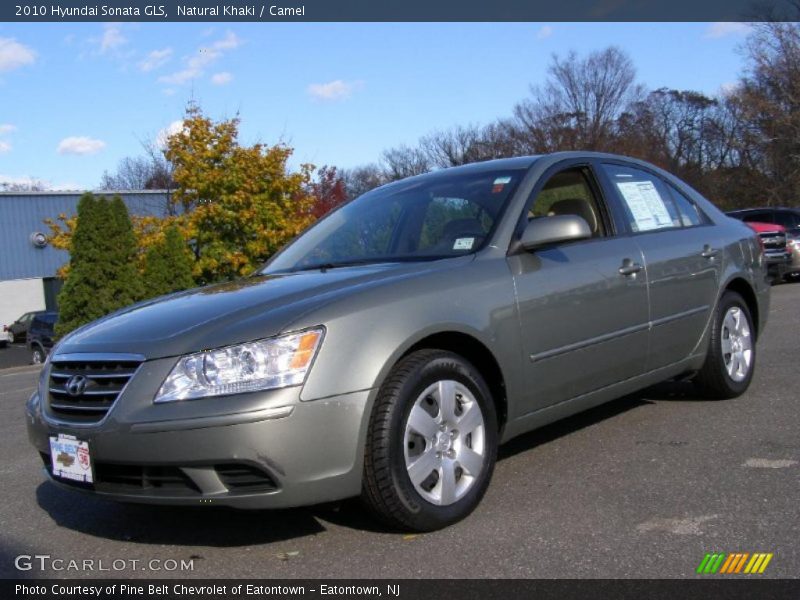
(76, 385)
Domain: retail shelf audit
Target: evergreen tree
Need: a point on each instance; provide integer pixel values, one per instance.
(77, 300)
(168, 265)
(123, 278)
(102, 276)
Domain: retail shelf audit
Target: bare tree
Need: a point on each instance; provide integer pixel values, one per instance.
(360, 180)
(32, 185)
(452, 147)
(578, 106)
(152, 171)
(404, 161)
(770, 101)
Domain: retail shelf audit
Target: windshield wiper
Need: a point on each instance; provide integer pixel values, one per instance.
(335, 265)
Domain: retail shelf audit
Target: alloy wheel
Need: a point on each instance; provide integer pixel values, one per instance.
(737, 344)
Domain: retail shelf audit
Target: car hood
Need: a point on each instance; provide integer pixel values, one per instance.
(230, 313)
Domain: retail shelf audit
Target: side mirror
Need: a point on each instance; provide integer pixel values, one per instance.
(554, 230)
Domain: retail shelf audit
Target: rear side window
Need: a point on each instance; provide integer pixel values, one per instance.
(788, 219)
(645, 198)
(690, 214)
(44, 322)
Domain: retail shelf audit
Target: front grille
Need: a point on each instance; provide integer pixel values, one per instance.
(244, 478)
(773, 240)
(84, 391)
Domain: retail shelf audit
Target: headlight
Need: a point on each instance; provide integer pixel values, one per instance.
(263, 365)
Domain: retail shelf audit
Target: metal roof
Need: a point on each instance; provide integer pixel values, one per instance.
(23, 214)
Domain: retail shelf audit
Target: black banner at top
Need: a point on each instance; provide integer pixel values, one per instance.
(396, 10)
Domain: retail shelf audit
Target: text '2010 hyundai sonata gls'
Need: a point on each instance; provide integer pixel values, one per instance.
(389, 349)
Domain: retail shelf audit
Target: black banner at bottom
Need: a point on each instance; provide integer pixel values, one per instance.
(416, 589)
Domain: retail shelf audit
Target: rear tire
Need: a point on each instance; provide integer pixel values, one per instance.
(731, 357)
(431, 442)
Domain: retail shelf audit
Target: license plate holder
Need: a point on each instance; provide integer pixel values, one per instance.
(71, 459)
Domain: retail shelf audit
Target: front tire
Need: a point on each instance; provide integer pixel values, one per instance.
(731, 357)
(431, 442)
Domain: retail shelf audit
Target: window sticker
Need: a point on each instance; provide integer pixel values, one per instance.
(464, 243)
(646, 205)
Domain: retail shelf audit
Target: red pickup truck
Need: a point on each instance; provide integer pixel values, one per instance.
(776, 251)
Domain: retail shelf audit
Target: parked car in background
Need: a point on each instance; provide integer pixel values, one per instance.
(389, 349)
(40, 335)
(776, 250)
(19, 328)
(789, 219)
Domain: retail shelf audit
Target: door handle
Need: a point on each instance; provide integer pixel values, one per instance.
(709, 252)
(629, 267)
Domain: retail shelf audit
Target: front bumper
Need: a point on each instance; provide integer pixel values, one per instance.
(256, 458)
(778, 263)
(794, 264)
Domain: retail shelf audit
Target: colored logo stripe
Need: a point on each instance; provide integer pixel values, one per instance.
(735, 562)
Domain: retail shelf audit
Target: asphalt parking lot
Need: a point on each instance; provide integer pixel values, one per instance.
(642, 487)
(14, 355)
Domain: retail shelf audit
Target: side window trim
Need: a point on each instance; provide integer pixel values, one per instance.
(613, 201)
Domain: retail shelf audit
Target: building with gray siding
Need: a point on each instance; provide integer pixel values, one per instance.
(28, 262)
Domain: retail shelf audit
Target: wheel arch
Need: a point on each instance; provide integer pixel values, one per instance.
(745, 290)
(478, 354)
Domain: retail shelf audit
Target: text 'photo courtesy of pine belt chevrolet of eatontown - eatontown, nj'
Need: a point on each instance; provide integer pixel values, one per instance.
(399, 300)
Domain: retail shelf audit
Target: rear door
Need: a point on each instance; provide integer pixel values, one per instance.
(682, 253)
(582, 305)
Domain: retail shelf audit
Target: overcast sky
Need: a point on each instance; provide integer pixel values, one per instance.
(76, 98)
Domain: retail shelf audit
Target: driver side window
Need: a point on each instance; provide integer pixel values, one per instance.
(569, 193)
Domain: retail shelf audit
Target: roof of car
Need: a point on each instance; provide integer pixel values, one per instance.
(523, 162)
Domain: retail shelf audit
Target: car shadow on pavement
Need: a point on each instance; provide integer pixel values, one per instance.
(182, 526)
(679, 391)
(549, 433)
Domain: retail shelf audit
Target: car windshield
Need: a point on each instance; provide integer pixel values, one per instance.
(425, 218)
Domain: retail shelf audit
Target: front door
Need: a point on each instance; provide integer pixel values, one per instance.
(583, 306)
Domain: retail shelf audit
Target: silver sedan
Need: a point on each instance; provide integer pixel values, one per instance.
(391, 348)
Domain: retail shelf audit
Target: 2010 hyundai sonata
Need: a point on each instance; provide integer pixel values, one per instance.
(389, 349)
